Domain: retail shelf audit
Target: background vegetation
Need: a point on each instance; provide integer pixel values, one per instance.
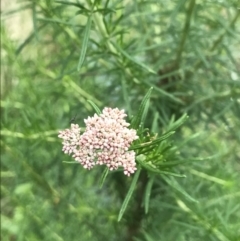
(111, 52)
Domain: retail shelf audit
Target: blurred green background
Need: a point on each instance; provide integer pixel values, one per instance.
(187, 50)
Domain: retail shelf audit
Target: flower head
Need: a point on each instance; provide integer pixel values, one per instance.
(106, 141)
(70, 138)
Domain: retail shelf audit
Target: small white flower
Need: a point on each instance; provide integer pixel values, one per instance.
(106, 140)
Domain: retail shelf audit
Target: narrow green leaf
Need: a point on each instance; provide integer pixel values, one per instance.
(105, 11)
(152, 143)
(153, 169)
(163, 92)
(28, 40)
(103, 177)
(142, 111)
(85, 42)
(201, 56)
(55, 20)
(171, 174)
(71, 162)
(174, 184)
(126, 96)
(73, 4)
(132, 59)
(163, 137)
(25, 43)
(178, 123)
(155, 125)
(178, 162)
(95, 107)
(148, 192)
(174, 163)
(129, 194)
(79, 92)
(34, 17)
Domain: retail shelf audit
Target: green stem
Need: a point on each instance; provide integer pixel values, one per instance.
(185, 33)
(98, 20)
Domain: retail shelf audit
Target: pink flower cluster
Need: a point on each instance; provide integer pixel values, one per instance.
(106, 140)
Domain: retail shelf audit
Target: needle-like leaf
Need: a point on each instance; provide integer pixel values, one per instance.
(85, 42)
(129, 194)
